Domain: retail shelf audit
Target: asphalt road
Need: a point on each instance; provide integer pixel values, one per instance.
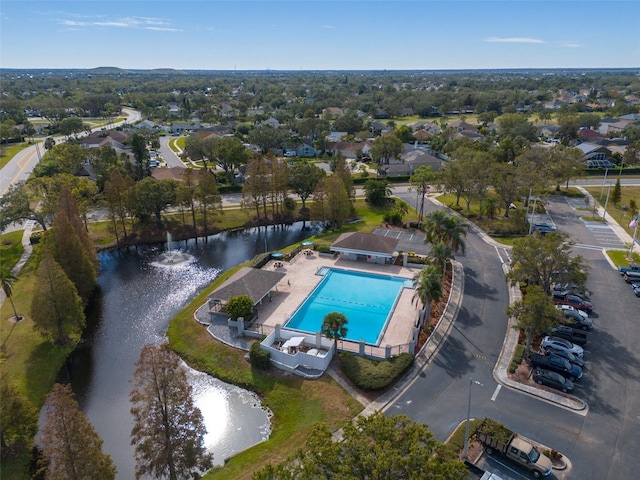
(601, 442)
(21, 165)
(168, 155)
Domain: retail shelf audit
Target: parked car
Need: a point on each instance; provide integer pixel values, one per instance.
(636, 288)
(574, 359)
(543, 228)
(575, 301)
(552, 379)
(573, 311)
(558, 343)
(575, 318)
(556, 364)
(631, 276)
(562, 290)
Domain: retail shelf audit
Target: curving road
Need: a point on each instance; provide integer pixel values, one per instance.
(21, 166)
(601, 441)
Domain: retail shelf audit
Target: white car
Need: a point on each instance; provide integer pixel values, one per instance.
(557, 343)
(569, 308)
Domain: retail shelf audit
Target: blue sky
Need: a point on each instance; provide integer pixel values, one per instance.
(319, 35)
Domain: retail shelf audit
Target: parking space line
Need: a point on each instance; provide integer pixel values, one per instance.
(495, 394)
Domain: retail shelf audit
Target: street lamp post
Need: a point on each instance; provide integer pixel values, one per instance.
(635, 235)
(467, 426)
(604, 213)
(533, 214)
(604, 181)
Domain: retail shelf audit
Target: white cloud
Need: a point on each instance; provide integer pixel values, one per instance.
(163, 29)
(327, 26)
(146, 23)
(514, 40)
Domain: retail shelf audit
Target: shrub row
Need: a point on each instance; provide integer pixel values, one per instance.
(370, 374)
(260, 359)
(517, 358)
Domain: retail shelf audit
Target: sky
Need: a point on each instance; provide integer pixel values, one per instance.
(320, 34)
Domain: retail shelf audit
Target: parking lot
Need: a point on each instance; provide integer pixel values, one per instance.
(408, 241)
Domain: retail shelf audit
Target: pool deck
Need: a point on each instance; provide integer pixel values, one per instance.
(301, 279)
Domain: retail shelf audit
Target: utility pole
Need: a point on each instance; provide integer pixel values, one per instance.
(467, 426)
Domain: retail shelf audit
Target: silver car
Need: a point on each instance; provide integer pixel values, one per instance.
(562, 344)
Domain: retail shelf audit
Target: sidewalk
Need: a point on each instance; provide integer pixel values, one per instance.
(26, 244)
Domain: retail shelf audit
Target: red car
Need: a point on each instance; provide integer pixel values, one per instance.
(575, 301)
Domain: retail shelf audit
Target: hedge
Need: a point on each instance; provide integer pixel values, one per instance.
(369, 374)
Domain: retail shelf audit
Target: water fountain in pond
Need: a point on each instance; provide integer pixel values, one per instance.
(172, 257)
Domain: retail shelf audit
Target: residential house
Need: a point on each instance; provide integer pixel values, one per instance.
(613, 125)
(336, 136)
(461, 125)
(148, 124)
(271, 122)
(379, 128)
(349, 150)
(547, 131)
(592, 151)
(411, 161)
(588, 135)
(179, 127)
(114, 138)
(174, 108)
(306, 151)
(332, 113)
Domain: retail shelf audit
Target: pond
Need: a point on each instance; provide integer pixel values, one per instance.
(140, 291)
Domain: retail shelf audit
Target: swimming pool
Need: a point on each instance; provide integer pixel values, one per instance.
(366, 299)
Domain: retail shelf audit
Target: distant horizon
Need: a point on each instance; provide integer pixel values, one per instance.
(329, 70)
(320, 35)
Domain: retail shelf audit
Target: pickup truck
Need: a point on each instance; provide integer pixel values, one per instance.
(498, 438)
(556, 364)
(628, 268)
(574, 335)
(631, 276)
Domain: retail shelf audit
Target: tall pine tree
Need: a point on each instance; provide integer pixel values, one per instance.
(168, 429)
(56, 307)
(71, 448)
(72, 247)
(18, 420)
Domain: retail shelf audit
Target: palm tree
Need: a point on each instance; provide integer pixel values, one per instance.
(333, 326)
(491, 206)
(8, 279)
(455, 231)
(428, 287)
(440, 255)
(447, 229)
(435, 226)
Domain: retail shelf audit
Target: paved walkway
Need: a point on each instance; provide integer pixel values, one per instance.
(26, 253)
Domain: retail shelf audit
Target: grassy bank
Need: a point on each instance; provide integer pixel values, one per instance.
(7, 152)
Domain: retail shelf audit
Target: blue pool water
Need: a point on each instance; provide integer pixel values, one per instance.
(366, 299)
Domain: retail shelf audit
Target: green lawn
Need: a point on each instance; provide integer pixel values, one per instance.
(11, 248)
(617, 212)
(7, 152)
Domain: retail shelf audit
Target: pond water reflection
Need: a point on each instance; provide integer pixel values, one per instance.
(140, 293)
